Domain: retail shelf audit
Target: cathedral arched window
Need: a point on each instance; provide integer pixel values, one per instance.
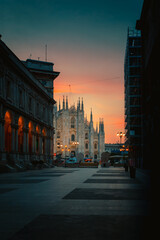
(20, 134)
(86, 145)
(72, 122)
(43, 141)
(95, 145)
(8, 132)
(58, 134)
(72, 137)
(86, 136)
(37, 138)
(30, 136)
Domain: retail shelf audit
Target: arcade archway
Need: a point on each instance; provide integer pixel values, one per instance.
(30, 136)
(20, 134)
(8, 132)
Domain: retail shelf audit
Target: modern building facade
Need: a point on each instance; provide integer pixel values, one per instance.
(74, 134)
(26, 108)
(133, 96)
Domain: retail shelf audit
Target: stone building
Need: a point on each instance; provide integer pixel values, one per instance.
(74, 134)
(26, 108)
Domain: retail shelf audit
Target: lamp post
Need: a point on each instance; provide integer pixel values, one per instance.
(75, 144)
(120, 135)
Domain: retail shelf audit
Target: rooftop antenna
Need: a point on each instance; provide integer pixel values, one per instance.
(46, 52)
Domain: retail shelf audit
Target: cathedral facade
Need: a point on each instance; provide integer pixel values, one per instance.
(74, 134)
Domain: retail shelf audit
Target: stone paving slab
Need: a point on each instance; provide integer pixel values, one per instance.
(110, 175)
(60, 171)
(113, 186)
(108, 194)
(5, 190)
(111, 171)
(101, 207)
(78, 227)
(45, 175)
(130, 181)
(21, 181)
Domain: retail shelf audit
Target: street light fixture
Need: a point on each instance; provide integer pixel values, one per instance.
(120, 135)
(75, 144)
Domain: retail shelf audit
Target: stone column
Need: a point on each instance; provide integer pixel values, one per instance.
(13, 142)
(40, 146)
(13, 137)
(16, 139)
(26, 144)
(2, 143)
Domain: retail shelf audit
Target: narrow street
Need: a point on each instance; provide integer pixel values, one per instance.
(74, 203)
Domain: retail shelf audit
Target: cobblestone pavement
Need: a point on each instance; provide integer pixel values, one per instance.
(75, 203)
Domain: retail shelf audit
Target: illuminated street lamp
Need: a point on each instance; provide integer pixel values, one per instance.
(120, 135)
(76, 144)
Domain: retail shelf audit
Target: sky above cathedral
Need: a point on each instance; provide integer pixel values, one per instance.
(86, 41)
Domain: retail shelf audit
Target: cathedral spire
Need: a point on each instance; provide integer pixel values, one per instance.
(67, 102)
(82, 107)
(100, 124)
(63, 103)
(78, 104)
(91, 117)
(59, 105)
(97, 127)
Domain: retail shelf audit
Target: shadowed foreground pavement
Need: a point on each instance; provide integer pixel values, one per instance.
(75, 203)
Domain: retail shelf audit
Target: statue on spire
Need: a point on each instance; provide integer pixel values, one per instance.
(82, 107)
(63, 102)
(67, 102)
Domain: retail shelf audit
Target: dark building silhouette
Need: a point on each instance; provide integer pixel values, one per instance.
(143, 118)
(132, 81)
(149, 24)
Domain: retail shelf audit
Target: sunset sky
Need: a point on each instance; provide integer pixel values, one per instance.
(86, 41)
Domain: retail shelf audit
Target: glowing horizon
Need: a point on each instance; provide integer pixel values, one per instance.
(86, 41)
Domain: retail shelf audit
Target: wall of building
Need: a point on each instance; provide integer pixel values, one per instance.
(26, 113)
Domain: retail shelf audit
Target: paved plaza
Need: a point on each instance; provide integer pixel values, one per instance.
(74, 203)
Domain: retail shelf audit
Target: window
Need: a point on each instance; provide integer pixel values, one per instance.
(20, 98)
(8, 89)
(95, 145)
(30, 104)
(86, 136)
(37, 109)
(86, 145)
(58, 134)
(72, 122)
(72, 137)
(44, 113)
